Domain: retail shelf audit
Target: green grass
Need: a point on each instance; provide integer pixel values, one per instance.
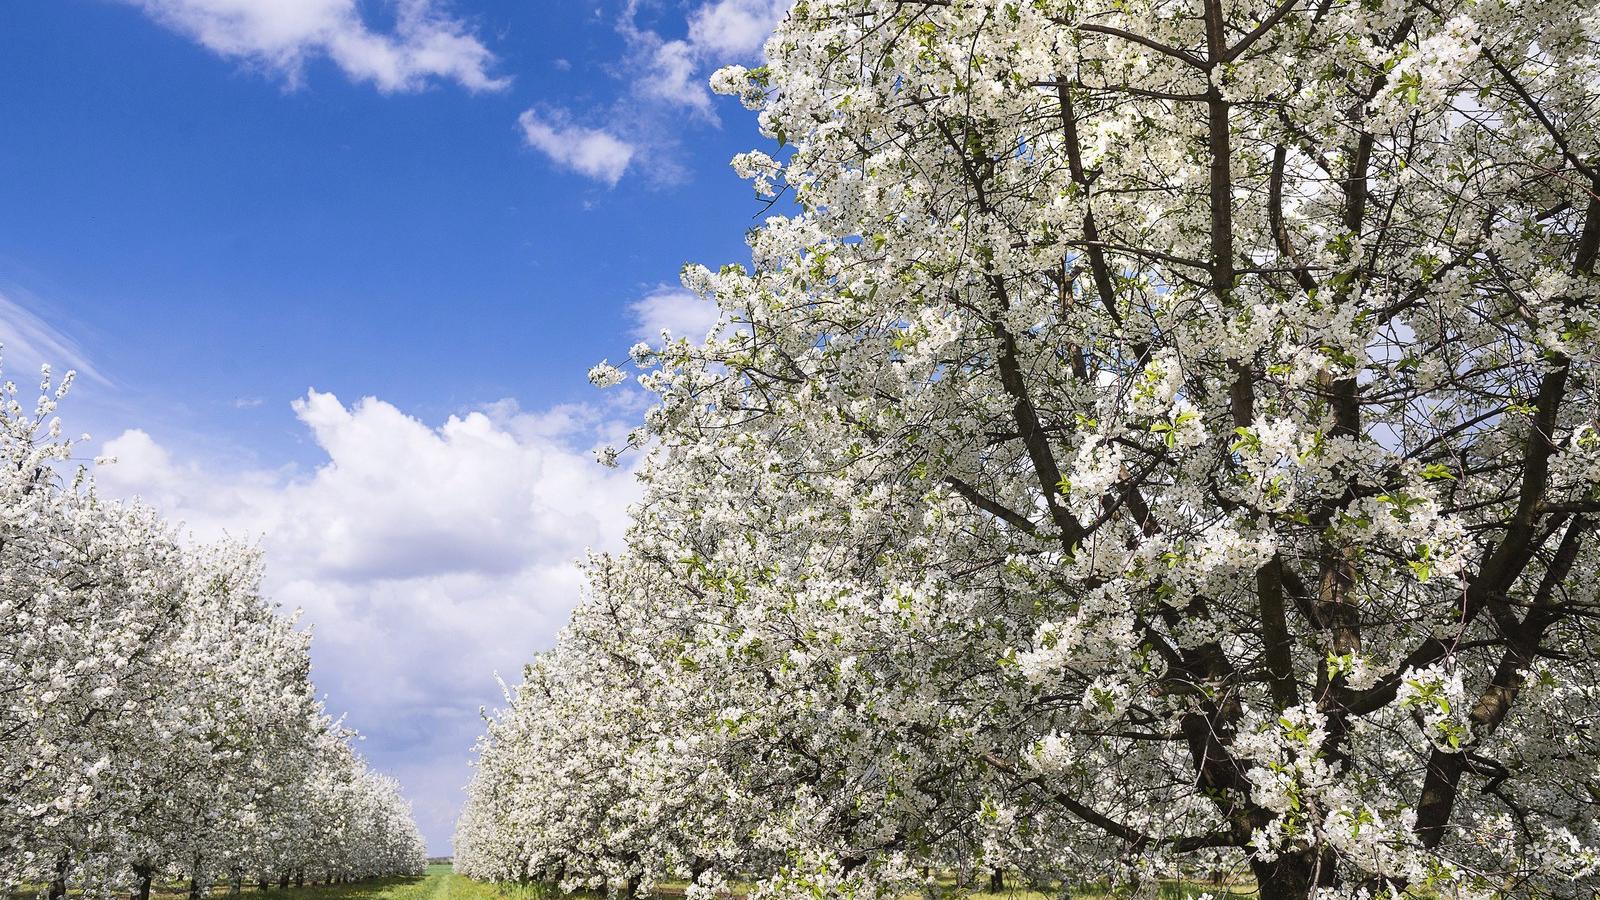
(439, 883)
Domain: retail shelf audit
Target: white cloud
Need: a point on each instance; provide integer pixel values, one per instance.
(675, 310)
(673, 77)
(27, 342)
(589, 151)
(735, 28)
(283, 35)
(664, 77)
(719, 32)
(426, 558)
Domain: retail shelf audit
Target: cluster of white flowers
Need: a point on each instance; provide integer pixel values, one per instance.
(606, 375)
(1160, 442)
(758, 167)
(740, 82)
(157, 718)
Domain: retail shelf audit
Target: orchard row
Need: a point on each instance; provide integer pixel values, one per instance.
(157, 718)
(1160, 440)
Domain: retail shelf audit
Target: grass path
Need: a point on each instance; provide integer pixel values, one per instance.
(435, 885)
(440, 883)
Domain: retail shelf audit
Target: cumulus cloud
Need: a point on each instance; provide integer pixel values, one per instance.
(674, 310)
(282, 36)
(719, 32)
(426, 557)
(592, 152)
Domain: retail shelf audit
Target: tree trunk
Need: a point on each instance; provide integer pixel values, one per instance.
(1290, 876)
(261, 884)
(142, 876)
(235, 883)
(283, 881)
(300, 878)
(997, 881)
(58, 885)
(194, 879)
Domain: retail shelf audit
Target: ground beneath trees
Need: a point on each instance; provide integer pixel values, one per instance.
(441, 883)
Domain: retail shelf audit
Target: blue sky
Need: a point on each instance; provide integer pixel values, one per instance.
(336, 269)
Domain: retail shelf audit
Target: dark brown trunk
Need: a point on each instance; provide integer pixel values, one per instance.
(142, 876)
(283, 881)
(997, 881)
(300, 878)
(195, 892)
(58, 884)
(1289, 877)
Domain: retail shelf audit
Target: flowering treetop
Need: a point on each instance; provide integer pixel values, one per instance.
(1166, 435)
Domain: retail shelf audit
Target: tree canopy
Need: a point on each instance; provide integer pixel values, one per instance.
(1163, 439)
(157, 716)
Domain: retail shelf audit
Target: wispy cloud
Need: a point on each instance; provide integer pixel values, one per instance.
(27, 342)
(426, 43)
(592, 152)
(662, 77)
(718, 32)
